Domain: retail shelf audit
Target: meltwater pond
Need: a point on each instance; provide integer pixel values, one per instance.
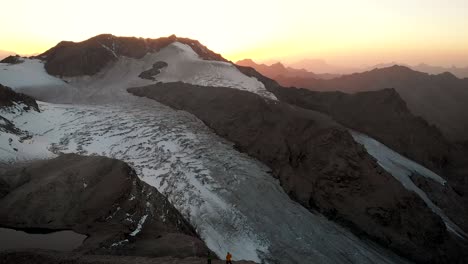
(60, 240)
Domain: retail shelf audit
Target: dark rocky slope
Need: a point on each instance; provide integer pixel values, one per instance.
(99, 197)
(381, 114)
(445, 197)
(457, 172)
(10, 98)
(90, 56)
(319, 165)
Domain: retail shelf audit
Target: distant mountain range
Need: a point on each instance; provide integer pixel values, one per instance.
(322, 68)
(278, 71)
(422, 67)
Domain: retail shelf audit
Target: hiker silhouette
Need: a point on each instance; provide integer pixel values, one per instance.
(209, 258)
(228, 258)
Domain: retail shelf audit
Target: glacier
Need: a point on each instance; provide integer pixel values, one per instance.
(232, 200)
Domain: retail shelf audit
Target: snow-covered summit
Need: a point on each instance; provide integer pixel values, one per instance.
(185, 65)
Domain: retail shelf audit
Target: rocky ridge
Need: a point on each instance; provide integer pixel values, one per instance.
(69, 59)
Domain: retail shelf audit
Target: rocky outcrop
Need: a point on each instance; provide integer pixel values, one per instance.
(12, 60)
(8, 98)
(155, 70)
(41, 257)
(13, 101)
(457, 171)
(445, 197)
(99, 197)
(319, 165)
(90, 56)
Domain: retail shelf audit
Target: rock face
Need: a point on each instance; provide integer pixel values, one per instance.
(381, 114)
(318, 164)
(100, 197)
(446, 198)
(8, 97)
(69, 59)
(41, 257)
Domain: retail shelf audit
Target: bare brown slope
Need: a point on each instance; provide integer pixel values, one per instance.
(318, 164)
(100, 197)
(90, 56)
(441, 99)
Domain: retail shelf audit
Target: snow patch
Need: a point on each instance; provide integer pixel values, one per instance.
(140, 226)
(120, 243)
(110, 50)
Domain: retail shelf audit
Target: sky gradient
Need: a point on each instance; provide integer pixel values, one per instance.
(352, 33)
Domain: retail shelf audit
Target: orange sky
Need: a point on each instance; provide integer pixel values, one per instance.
(342, 32)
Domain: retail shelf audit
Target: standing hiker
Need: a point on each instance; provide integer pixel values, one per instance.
(209, 258)
(228, 258)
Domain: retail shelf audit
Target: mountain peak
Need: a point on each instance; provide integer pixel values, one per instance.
(246, 62)
(398, 67)
(396, 70)
(278, 65)
(90, 56)
(447, 75)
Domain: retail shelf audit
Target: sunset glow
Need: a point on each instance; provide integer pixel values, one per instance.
(344, 32)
